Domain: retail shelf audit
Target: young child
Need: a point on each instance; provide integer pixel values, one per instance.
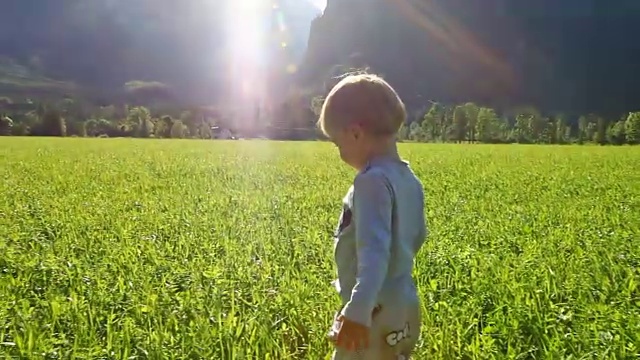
(382, 225)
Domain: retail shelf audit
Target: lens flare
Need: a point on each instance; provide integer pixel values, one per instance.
(259, 51)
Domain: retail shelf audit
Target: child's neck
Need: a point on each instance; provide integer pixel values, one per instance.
(386, 150)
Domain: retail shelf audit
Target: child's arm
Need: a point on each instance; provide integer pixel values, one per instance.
(372, 203)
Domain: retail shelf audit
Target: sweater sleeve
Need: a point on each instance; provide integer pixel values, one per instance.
(372, 203)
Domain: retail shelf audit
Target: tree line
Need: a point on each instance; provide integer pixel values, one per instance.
(291, 120)
(107, 121)
(472, 123)
(295, 120)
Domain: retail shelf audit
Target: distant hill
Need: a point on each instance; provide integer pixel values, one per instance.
(103, 44)
(18, 79)
(558, 55)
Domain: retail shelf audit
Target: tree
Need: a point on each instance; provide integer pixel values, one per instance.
(140, 118)
(416, 132)
(616, 133)
(74, 113)
(98, 127)
(568, 134)
(538, 127)
(530, 126)
(77, 128)
(560, 129)
(189, 119)
(632, 128)
(205, 131)
(53, 124)
(472, 110)
(6, 125)
(503, 129)
(460, 123)
(20, 129)
(431, 121)
(548, 135)
(31, 123)
(403, 133)
(587, 126)
(582, 129)
(163, 127)
(108, 112)
(317, 103)
(600, 135)
(522, 128)
(446, 124)
(487, 125)
(178, 130)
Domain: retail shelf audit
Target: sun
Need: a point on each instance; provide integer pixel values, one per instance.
(246, 30)
(245, 20)
(258, 39)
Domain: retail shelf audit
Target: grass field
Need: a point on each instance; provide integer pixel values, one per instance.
(132, 249)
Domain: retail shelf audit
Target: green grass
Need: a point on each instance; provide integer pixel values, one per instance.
(121, 248)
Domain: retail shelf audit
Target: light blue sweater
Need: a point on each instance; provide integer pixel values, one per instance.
(382, 227)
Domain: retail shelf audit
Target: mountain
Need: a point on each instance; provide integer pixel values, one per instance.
(103, 44)
(574, 56)
(559, 55)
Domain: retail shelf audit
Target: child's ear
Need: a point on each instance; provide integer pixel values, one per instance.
(357, 131)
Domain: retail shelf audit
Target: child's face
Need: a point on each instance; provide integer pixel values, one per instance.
(354, 145)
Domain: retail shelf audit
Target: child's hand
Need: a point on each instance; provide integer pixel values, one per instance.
(351, 335)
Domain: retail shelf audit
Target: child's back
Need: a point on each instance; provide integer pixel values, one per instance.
(389, 287)
(408, 231)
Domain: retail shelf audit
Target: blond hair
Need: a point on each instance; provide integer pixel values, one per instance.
(364, 98)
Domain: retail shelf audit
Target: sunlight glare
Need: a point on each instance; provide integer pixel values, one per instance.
(247, 25)
(320, 4)
(259, 43)
(245, 21)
